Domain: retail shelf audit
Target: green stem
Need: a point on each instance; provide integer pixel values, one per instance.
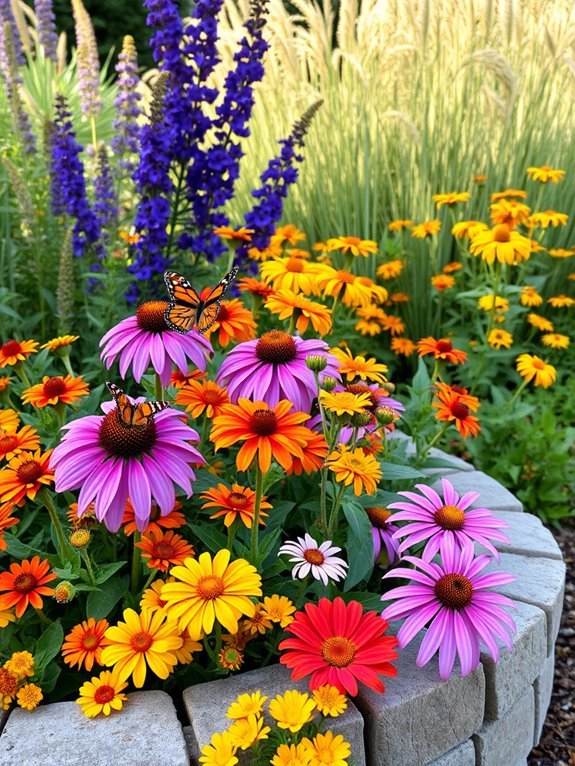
(136, 564)
(514, 398)
(158, 389)
(151, 576)
(47, 500)
(231, 535)
(323, 500)
(21, 373)
(43, 618)
(67, 365)
(436, 438)
(256, 521)
(334, 512)
(495, 287)
(86, 559)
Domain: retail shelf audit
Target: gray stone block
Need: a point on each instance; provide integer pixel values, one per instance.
(420, 717)
(543, 689)
(146, 732)
(506, 680)
(206, 705)
(462, 755)
(528, 536)
(508, 740)
(493, 494)
(455, 464)
(539, 582)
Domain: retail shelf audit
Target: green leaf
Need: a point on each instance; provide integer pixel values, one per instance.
(360, 557)
(50, 677)
(209, 536)
(370, 601)
(107, 570)
(48, 646)
(356, 517)
(393, 471)
(421, 380)
(100, 603)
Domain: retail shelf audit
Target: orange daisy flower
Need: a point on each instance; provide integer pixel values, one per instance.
(455, 405)
(165, 549)
(173, 520)
(86, 520)
(236, 235)
(442, 282)
(84, 643)
(24, 476)
(9, 420)
(265, 430)
(234, 503)
(14, 351)
(4, 382)
(178, 380)
(202, 396)
(441, 349)
(234, 322)
(452, 267)
(255, 287)
(288, 233)
(393, 324)
(6, 521)
(285, 303)
(353, 245)
(24, 440)
(313, 456)
(24, 584)
(402, 346)
(55, 390)
(62, 341)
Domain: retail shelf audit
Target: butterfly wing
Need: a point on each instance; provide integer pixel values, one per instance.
(125, 407)
(208, 313)
(134, 415)
(145, 411)
(185, 304)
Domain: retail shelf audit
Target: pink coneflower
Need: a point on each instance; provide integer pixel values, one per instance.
(453, 600)
(308, 557)
(273, 368)
(113, 463)
(145, 339)
(435, 518)
(382, 531)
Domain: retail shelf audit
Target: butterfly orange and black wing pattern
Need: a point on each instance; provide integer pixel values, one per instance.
(186, 309)
(134, 415)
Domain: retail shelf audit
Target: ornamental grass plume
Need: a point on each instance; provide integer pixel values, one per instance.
(112, 463)
(456, 603)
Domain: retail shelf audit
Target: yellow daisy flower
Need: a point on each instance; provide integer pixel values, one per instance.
(426, 229)
(400, 224)
(544, 174)
(246, 705)
(29, 696)
(532, 368)
(501, 244)
(353, 245)
(294, 274)
(329, 700)
(520, 193)
(102, 694)
(561, 301)
(291, 755)
(530, 297)
(343, 285)
(561, 252)
(328, 749)
(498, 338)
(442, 282)
(555, 340)
(279, 609)
(490, 301)
(344, 402)
(468, 229)
(355, 467)
(540, 323)
(245, 731)
(62, 341)
(391, 269)
(292, 710)
(450, 199)
(220, 752)
(359, 366)
(547, 218)
(285, 303)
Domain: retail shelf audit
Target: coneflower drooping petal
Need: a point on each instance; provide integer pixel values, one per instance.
(47, 35)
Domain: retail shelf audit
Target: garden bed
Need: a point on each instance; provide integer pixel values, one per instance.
(491, 717)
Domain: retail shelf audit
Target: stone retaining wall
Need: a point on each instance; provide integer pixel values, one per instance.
(492, 717)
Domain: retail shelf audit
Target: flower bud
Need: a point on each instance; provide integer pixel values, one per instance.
(80, 538)
(385, 416)
(328, 384)
(316, 362)
(64, 592)
(360, 419)
(388, 386)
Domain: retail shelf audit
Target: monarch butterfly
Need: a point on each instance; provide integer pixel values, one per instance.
(186, 309)
(134, 415)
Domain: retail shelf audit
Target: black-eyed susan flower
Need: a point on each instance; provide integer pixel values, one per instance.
(468, 229)
(295, 274)
(391, 269)
(355, 467)
(545, 173)
(56, 390)
(555, 340)
(426, 229)
(342, 403)
(343, 285)
(441, 350)
(24, 476)
(509, 212)
(455, 405)
(102, 694)
(285, 303)
(352, 245)
(14, 351)
(364, 368)
(450, 198)
(540, 323)
(547, 218)
(502, 244)
(533, 368)
(530, 297)
(24, 585)
(403, 346)
(561, 301)
(400, 224)
(492, 302)
(499, 338)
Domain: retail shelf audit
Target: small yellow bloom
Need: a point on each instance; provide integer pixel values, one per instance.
(245, 731)
(291, 755)
(442, 282)
(555, 340)
(509, 212)
(353, 245)
(102, 694)
(328, 749)
(561, 301)
(391, 269)
(344, 402)
(498, 338)
(561, 252)
(545, 173)
(468, 229)
(329, 700)
(403, 346)
(540, 323)
(450, 199)
(520, 193)
(288, 233)
(426, 229)
(279, 609)
(292, 710)
(246, 705)
(285, 303)
(355, 467)
(220, 752)
(547, 218)
(360, 366)
(400, 224)
(21, 663)
(29, 696)
(532, 368)
(489, 301)
(530, 297)
(452, 267)
(62, 341)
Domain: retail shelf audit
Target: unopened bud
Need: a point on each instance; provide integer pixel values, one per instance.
(388, 386)
(328, 384)
(80, 538)
(316, 362)
(385, 415)
(64, 592)
(360, 419)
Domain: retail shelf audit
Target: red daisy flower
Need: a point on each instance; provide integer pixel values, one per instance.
(339, 644)
(25, 584)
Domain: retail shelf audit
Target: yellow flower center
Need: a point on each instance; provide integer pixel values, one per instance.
(54, 387)
(104, 694)
(314, 556)
(501, 233)
(29, 471)
(295, 265)
(276, 347)
(263, 422)
(25, 582)
(338, 651)
(150, 316)
(454, 591)
(118, 440)
(450, 517)
(90, 642)
(210, 587)
(11, 348)
(378, 515)
(142, 641)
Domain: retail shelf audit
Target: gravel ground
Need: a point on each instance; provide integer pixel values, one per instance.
(557, 746)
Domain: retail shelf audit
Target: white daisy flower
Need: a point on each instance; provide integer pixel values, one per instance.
(308, 557)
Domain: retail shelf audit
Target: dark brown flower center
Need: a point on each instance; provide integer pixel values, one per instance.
(276, 347)
(150, 316)
(238, 500)
(338, 651)
(459, 410)
(163, 550)
(54, 387)
(378, 516)
(11, 348)
(8, 683)
(444, 346)
(141, 641)
(210, 587)
(104, 694)
(8, 442)
(29, 472)
(223, 313)
(25, 582)
(450, 517)
(121, 441)
(454, 591)
(314, 556)
(263, 422)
